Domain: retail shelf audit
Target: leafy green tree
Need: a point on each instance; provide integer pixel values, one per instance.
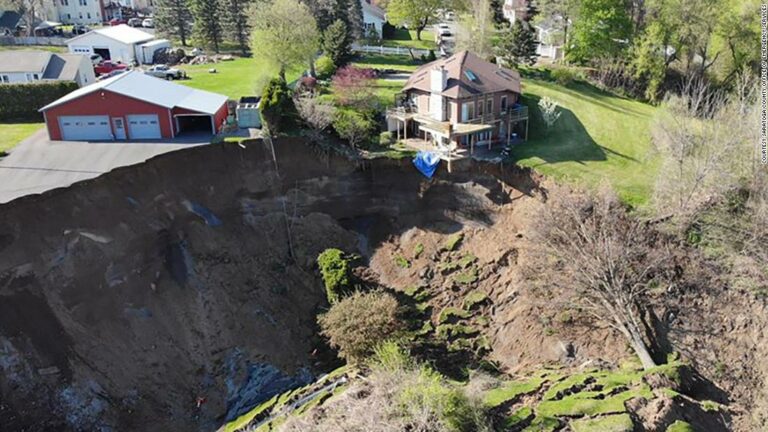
(207, 27)
(476, 29)
(353, 126)
(234, 22)
(335, 270)
(284, 33)
(277, 107)
(414, 14)
(649, 59)
(603, 30)
(337, 43)
(172, 19)
(517, 44)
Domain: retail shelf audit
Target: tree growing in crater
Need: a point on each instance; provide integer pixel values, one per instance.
(359, 323)
(605, 259)
(335, 269)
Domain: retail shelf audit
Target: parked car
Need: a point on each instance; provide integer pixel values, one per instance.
(111, 74)
(444, 32)
(116, 21)
(96, 59)
(135, 22)
(79, 29)
(148, 23)
(108, 66)
(163, 71)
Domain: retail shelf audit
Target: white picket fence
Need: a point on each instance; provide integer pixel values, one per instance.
(32, 40)
(373, 49)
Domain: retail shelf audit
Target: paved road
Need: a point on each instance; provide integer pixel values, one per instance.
(37, 164)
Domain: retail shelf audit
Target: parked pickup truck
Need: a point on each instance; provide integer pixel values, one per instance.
(163, 71)
(107, 66)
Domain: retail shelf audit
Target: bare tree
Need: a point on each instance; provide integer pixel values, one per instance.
(318, 115)
(606, 261)
(703, 137)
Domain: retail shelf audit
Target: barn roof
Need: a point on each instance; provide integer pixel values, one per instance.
(121, 33)
(468, 75)
(152, 90)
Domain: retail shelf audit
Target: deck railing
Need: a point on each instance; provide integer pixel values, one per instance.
(512, 114)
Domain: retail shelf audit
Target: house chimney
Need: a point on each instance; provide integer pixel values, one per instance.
(438, 79)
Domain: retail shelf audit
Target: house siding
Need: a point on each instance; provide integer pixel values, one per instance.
(106, 103)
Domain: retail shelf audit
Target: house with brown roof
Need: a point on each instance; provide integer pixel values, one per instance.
(460, 102)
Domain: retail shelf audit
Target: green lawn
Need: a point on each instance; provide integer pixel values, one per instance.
(240, 77)
(599, 137)
(377, 61)
(13, 133)
(407, 39)
(56, 49)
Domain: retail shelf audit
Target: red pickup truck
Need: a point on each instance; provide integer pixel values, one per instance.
(107, 66)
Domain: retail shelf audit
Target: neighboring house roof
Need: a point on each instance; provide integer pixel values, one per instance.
(152, 90)
(64, 66)
(9, 19)
(51, 66)
(121, 33)
(373, 9)
(24, 61)
(468, 75)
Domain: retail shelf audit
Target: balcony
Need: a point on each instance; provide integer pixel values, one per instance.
(513, 114)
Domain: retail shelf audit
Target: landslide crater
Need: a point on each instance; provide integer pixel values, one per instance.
(178, 293)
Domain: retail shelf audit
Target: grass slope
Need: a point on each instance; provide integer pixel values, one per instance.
(599, 137)
(13, 133)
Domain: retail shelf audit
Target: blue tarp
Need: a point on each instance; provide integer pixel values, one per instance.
(426, 162)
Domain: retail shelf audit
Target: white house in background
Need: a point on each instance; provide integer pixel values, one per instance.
(117, 43)
(374, 17)
(514, 10)
(79, 11)
(31, 66)
(550, 36)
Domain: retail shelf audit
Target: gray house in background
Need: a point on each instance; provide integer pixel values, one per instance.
(18, 67)
(9, 22)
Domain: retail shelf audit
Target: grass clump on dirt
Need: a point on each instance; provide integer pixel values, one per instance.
(680, 426)
(474, 298)
(418, 250)
(402, 261)
(577, 405)
(453, 242)
(451, 313)
(519, 416)
(335, 269)
(511, 390)
(455, 330)
(611, 423)
(467, 276)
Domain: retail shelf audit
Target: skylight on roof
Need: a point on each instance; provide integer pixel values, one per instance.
(471, 75)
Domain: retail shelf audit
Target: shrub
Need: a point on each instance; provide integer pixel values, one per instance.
(359, 323)
(21, 101)
(386, 139)
(277, 109)
(337, 42)
(325, 67)
(564, 76)
(354, 127)
(335, 269)
(431, 57)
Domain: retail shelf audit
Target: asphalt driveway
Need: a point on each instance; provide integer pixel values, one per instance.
(37, 164)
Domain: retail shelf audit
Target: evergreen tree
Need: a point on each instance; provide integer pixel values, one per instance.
(234, 22)
(173, 19)
(337, 43)
(207, 28)
(498, 13)
(355, 24)
(518, 44)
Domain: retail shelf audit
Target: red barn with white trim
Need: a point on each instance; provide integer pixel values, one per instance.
(134, 106)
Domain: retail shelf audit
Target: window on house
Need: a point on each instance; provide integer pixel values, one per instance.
(65, 3)
(470, 111)
(503, 104)
(89, 15)
(69, 16)
(35, 77)
(489, 106)
(479, 108)
(81, 15)
(4, 79)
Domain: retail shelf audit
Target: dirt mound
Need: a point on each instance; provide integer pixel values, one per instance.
(179, 293)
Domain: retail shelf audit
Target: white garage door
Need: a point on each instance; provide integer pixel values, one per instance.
(145, 126)
(85, 128)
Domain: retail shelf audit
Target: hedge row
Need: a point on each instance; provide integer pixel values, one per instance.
(19, 102)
